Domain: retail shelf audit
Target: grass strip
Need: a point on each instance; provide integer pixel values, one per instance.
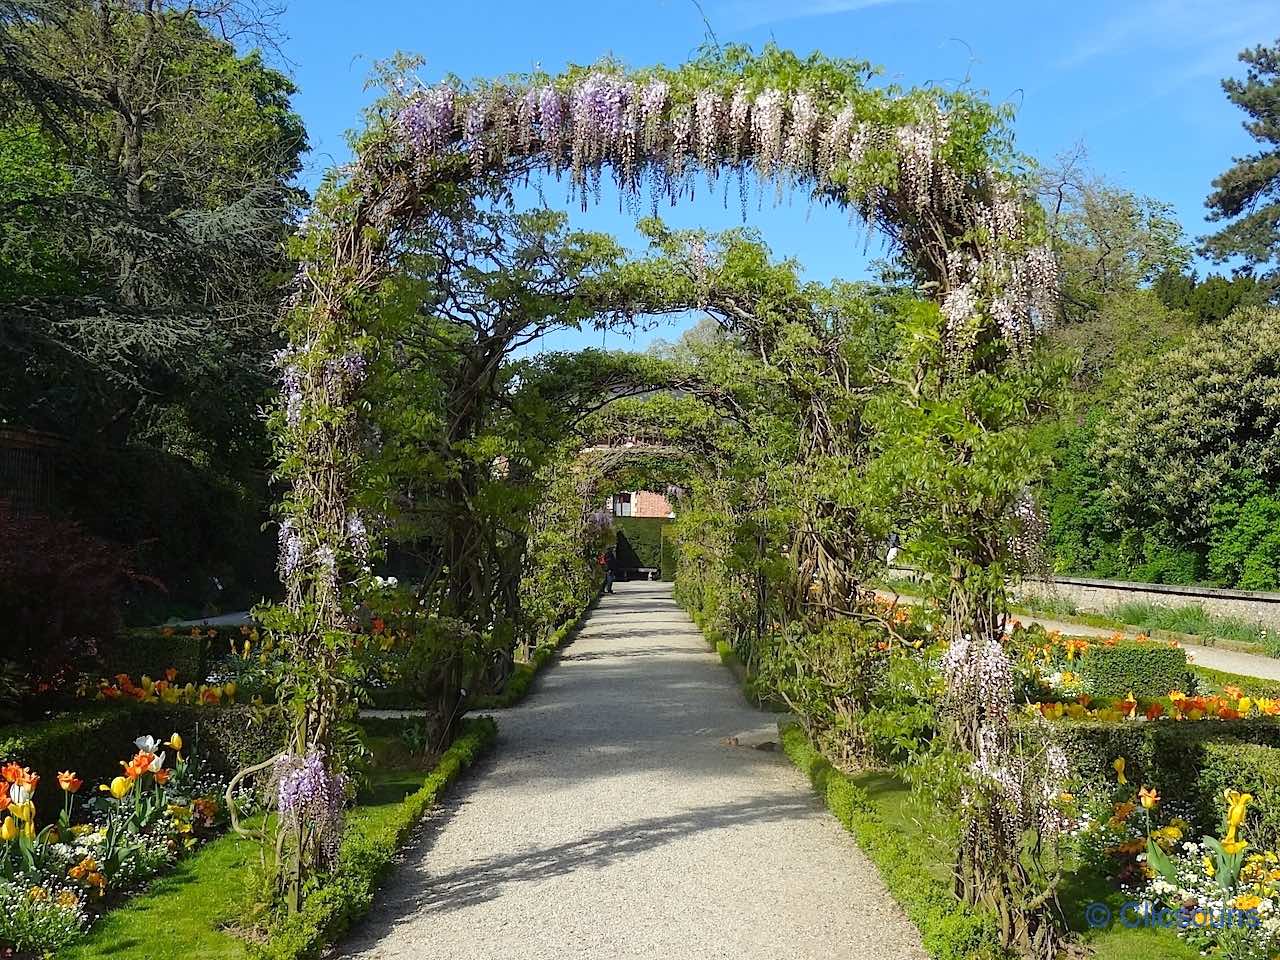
(182, 913)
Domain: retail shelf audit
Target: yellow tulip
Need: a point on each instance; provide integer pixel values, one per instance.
(1232, 847)
(9, 829)
(1237, 806)
(23, 811)
(1118, 766)
(120, 787)
(175, 741)
(1245, 706)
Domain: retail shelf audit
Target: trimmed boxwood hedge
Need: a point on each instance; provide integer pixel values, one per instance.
(641, 543)
(1146, 669)
(1249, 768)
(149, 650)
(94, 740)
(1189, 762)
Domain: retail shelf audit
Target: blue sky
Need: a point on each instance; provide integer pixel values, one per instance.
(1135, 81)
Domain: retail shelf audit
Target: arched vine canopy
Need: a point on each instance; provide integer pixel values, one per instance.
(933, 170)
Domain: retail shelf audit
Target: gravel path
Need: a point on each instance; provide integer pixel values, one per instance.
(616, 819)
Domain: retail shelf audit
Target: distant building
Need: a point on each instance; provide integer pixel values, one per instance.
(639, 503)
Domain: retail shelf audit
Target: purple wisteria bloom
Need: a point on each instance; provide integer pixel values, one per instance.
(428, 121)
(311, 798)
(291, 549)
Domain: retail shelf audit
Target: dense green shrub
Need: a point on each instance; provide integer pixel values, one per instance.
(1244, 542)
(1249, 768)
(92, 741)
(1149, 669)
(366, 854)
(151, 651)
(949, 930)
(646, 542)
(1169, 755)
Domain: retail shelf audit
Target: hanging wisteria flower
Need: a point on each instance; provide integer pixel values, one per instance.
(709, 112)
(428, 120)
(358, 536)
(310, 799)
(766, 126)
(552, 112)
(346, 373)
(473, 131)
(291, 549)
(653, 101)
(325, 559)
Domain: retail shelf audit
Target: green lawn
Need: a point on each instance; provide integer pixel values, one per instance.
(178, 917)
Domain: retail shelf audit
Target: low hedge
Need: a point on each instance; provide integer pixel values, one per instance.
(366, 855)
(153, 650)
(1219, 680)
(1249, 768)
(1184, 760)
(949, 929)
(94, 740)
(1149, 669)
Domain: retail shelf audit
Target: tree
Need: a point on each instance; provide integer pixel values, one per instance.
(1109, 240)
(1210, 300)
(146, 172)
(1248, 194)
(1191, 419)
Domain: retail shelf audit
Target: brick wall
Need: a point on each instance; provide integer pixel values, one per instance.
(645, 503)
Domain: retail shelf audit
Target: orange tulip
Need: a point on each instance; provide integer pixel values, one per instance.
(1148, 797)
(139, 765)
(69, 782)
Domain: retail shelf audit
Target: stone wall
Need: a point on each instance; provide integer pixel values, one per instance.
(1100, 596)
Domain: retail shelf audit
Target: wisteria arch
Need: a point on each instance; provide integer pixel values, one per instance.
(933, 170)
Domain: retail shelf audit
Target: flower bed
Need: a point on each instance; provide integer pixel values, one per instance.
(1213, 887)
(88, 740)
(103, 844)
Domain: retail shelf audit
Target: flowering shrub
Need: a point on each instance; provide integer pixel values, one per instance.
(102, 846)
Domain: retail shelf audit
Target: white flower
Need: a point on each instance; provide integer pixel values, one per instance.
(147, 744)
(157, 762)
